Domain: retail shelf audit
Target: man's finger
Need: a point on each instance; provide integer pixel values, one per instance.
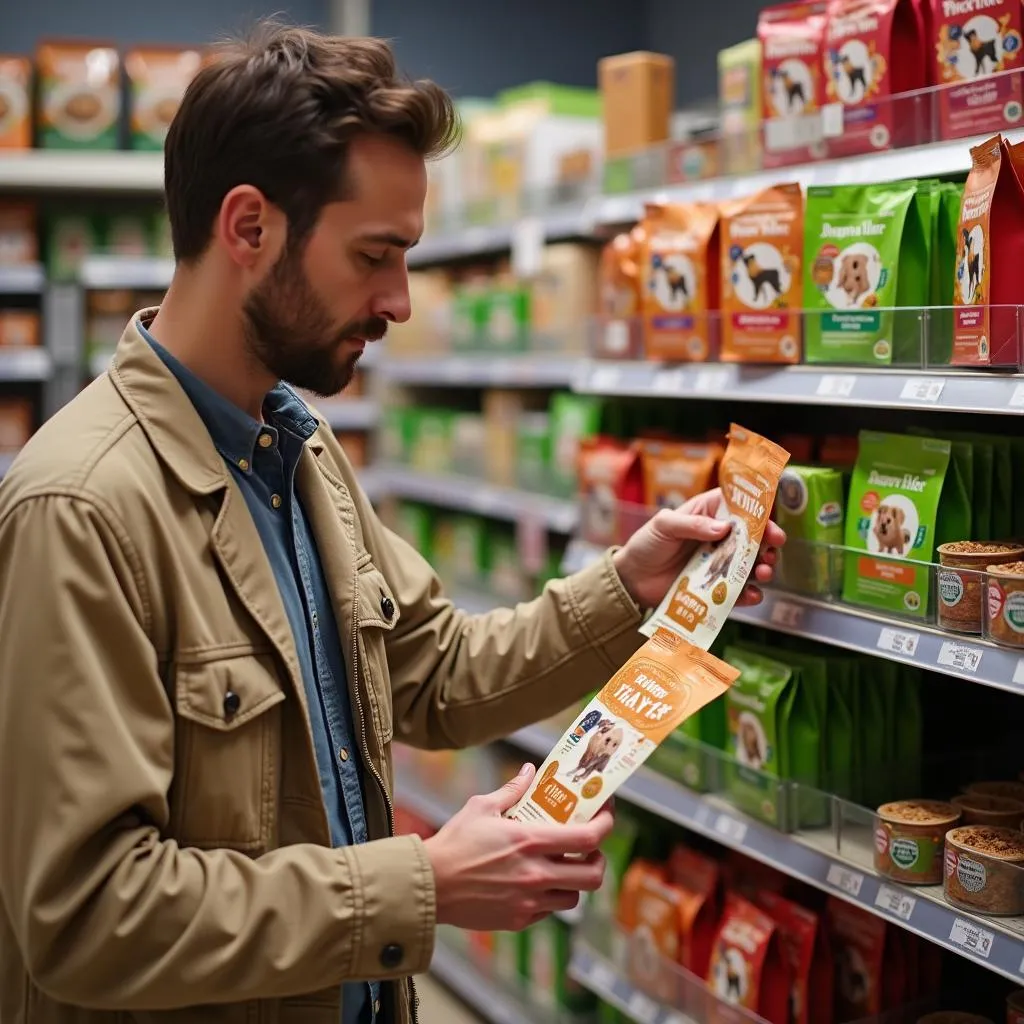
(764, 573)
(751, 595)
(675, 524)
(513, 791)
(774, 535)
(554, 840)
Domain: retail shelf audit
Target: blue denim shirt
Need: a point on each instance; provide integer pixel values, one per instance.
(263, 458)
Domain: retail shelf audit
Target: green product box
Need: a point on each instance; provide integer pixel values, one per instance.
(396, 433)
(506, 318)
(443, 546)
(505, 577)
(809, 508)
(533, 451)
(468, 318)
(546, 950)
(469, 549)
(415, 523)
(431, 434)
(618, 851)
(469, 444)
(71, 236)
(692, 753)
(573, 418)
(618, 175)
(79, 96)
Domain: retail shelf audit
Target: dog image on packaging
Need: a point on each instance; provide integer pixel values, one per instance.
(664, 683)
(704, 593)
(762, 277)
(973, 41)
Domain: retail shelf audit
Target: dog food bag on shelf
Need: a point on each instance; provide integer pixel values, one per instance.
(854, 237)
(891, 516)
(810, 509)
(664, 683)
(792, 36)
(762, 280)
(774, 734)
(809, 956)
(680, 281)
(875, 49)
(748, 967)
(15, 102)
(79, 95)
(158, 77)
(674, 471)
(618, 331)
(704, 593)
(739, 100)
(870, 969)
(699, 879)
(610, 491)
(972, 41)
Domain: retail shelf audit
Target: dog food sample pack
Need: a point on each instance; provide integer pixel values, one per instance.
(664, 683)
(989, 255)
(79, 95)
(680, 281)
(748, 968)
(972, 41)
(792, 36)
(875, 49)
(762, 281)
(891, 515)
(853, 238)
(619, 335)
(704, 593)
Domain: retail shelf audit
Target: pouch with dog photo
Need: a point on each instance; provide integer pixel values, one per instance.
(680, 281)
(705, 592)
(854, 235)
(762, 280)
(892, 512)
(664, 683)
(748, 968)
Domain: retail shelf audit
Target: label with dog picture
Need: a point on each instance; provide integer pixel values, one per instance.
(662, 685)
(855, 241)
(704, 593)
(762, 281)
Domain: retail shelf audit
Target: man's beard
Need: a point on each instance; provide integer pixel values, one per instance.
(290, 332)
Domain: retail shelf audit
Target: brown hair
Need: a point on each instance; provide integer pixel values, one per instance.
(278, 111)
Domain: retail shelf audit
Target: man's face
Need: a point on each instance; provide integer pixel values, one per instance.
(310, 317)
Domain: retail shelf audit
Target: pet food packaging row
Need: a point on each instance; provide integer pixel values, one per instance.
(70, 96)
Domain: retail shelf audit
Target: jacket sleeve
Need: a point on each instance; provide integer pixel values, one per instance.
(86, 752)
(459, 680)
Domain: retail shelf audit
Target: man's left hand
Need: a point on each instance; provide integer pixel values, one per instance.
(653, 557)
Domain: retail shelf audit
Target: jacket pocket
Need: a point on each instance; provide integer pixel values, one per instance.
(227, 761)
(377, 614)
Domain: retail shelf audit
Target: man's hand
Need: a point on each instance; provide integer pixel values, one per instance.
(653, 557)
(493, 874)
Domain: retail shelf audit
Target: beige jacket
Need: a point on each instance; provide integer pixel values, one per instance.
(163, 859)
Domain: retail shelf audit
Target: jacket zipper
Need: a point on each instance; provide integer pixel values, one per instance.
(414, 1001)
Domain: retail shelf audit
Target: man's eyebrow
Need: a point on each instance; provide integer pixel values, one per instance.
(390, 238)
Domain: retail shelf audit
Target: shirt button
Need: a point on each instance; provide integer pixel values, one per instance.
(266, 440)
(243, 465)
(275, 500)
(343, 754)
(391, 955)
(232, 702)
(387, 607)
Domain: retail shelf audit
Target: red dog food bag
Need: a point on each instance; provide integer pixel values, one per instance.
(875, 49)
(809, 956)
(610, 487)
(698, 878)
(792, 35)
(973, 41)
(989, 255)
(675, 471)
(747, 966)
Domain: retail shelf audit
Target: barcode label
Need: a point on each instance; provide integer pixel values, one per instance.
(960, 656)
(838, 386)
(924, 389)
(707, 382)
(845, 880)
(787, 615)
(972, 938)
(899, 904)
(896, 641)
(731, 829)
(616, 340)
(642, 1008)
(668, 382)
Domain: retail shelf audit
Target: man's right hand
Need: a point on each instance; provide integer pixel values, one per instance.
(494, 874)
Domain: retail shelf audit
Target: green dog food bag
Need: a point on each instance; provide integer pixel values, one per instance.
(845, 695)
(853, 242)
(810, 507)
(1002, 504)
(891, 517)
(956, 509)
(944, 239)
(913, 280)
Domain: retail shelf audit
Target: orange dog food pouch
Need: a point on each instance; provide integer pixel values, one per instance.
(674, 471)
(619, 336)
(680, 281)
(699, 602)
(661, 686)
(762, 280)
(697, 877)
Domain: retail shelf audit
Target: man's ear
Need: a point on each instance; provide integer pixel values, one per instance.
(251, 230)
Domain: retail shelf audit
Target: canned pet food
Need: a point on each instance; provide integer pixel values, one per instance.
(909, 839)
(984, 868)
(1004, 788)
(1004, 608)
(962, 580)
(1015, 1007)
(985, 809)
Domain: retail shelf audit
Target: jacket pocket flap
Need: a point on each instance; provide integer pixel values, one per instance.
(376, 604)
(226, 693)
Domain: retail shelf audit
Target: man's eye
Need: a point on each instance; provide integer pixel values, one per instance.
(373, 261)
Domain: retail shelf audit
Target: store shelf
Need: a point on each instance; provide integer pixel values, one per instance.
(349, 413)
(23, 279)
(995, 943)
(6, 459)
(25, 364)
(864, 387)
(557, 514)
(483, 370)
(142, 272)
(39, 170)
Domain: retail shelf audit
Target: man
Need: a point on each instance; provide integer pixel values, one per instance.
(210, 640)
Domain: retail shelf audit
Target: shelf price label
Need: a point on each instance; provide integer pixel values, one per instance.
(834, 385)
(642, 1008)
(668, 382)
(708, 382)
(897, 641)
(845, 880)
(972, 938)
(899, 904)
(787, 615)
(962, 657)
(602, 977)
(604, 378)
(731, 829)
(922, 389)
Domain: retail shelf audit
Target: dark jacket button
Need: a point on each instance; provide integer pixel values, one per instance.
(391, 955)
(232, 702)
(387, 606)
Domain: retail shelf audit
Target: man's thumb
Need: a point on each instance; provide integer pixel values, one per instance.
(515, 789)
(686, 526)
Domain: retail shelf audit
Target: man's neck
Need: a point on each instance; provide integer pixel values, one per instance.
(195, 328)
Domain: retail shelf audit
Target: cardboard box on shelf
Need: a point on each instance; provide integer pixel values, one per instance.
(158, 77)
(19, 328)
(15, 102)
(564, 297)
(638, 92)
(739, 99)
(79, 95)
(18, 242)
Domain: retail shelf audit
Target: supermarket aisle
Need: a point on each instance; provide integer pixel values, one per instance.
(439, 1006)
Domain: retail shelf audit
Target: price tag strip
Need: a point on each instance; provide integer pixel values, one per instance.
(892, 901)
(896, 641)
(836, 385)
(787, 615)
(922, 389)
(972, 937)
(845, 880)
(960, 656)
